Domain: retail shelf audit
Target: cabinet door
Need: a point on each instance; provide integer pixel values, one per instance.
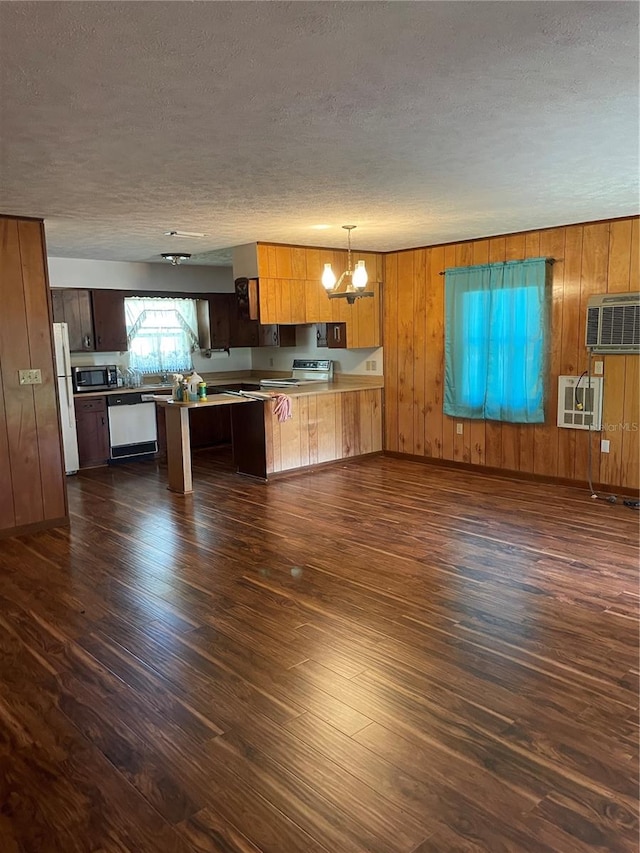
(244, 331)
(57, 305)
(277, 336)
(93, 431)
(269, 335)
(337, 335)
(73, 307)
(109, 321)
(220, 320)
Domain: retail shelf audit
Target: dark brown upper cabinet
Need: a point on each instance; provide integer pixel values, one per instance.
(73, 307)
(95, 318)
(109, 321)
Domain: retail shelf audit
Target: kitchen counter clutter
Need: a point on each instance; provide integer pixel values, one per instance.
(329, 421)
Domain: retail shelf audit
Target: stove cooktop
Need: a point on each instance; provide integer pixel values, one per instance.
(305, 370)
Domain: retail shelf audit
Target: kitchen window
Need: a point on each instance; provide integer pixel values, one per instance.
(162, 333)
(496, 341)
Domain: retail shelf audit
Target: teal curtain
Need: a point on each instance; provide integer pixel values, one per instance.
(496, 318)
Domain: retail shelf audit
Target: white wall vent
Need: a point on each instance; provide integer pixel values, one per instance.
(580, 402)
(613, 323)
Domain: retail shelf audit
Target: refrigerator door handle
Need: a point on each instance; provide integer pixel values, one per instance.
(66, 352)
(71, 411)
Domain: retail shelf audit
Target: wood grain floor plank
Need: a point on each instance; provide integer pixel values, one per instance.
(258, 669)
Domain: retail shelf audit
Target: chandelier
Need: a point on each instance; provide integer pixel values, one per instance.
(351, 284)
(175, 257)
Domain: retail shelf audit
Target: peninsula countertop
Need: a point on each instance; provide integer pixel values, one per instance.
(340, 384)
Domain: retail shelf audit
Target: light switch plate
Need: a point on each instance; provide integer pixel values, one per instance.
(30, 377)
(604, 445)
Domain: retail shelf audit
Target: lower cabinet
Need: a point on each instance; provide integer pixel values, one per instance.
(208, 427)
(93, 431)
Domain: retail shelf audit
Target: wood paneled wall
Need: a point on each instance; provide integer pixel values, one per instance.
(324, 427)
(32, 486)
(590, 258)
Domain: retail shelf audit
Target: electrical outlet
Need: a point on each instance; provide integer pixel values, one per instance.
(459, 429)
(367, 365)
(598, 368)
(270, 362)
(374, 365)
(604, 445)
(30, 377)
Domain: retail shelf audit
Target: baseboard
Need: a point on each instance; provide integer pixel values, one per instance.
(607, 488)
(307, 469)
(36, 527)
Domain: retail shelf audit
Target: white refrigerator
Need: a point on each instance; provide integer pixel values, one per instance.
(65, 394)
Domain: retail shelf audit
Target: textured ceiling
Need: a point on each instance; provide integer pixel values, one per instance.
(420, 122)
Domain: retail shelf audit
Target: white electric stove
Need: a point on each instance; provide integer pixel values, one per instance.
(305, 371)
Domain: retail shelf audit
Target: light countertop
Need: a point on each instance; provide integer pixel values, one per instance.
(339, 385)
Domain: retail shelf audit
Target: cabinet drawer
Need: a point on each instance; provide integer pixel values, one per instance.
(95, 404)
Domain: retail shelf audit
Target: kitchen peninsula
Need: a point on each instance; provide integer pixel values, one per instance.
(330, 421)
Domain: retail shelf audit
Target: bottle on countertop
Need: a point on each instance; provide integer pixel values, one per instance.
(176, 392)
(193, 380)
(202, 391)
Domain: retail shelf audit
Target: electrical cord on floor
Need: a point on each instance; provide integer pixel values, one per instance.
(612, 499)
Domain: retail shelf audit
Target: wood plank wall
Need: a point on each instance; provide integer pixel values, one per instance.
(32, 485)
(324, 427)
(590, 258)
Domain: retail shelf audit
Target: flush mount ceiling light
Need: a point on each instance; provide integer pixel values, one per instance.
(175, 257)
(183, 234)
(351, 284)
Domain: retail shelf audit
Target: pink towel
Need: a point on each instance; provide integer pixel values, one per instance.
(282, 407)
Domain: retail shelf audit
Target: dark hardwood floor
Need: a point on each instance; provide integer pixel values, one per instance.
(380, 656)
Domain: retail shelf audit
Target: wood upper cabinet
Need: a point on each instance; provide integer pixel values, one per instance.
(219, 320)
(290, 292)
(73, 307)
(93, 431)
(277, 336)
(95, 318)
(227, 327)
(109, 324)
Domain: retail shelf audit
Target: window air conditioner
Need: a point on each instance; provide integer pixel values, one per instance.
(613, 323)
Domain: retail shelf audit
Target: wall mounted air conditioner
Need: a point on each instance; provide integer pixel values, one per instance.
(613, 323)
(580, 402)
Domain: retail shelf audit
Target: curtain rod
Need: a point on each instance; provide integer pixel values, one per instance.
(546, 260)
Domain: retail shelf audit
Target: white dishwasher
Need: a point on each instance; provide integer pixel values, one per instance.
(132, 427)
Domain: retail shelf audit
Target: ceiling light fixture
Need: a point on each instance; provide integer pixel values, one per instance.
(175, 257)
(183, 234)
(351, 284)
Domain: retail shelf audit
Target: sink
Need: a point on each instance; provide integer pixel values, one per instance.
(165, 386)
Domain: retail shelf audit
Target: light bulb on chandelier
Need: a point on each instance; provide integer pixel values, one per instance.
(351, 284)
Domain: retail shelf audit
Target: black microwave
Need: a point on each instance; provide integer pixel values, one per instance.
(97, 378)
